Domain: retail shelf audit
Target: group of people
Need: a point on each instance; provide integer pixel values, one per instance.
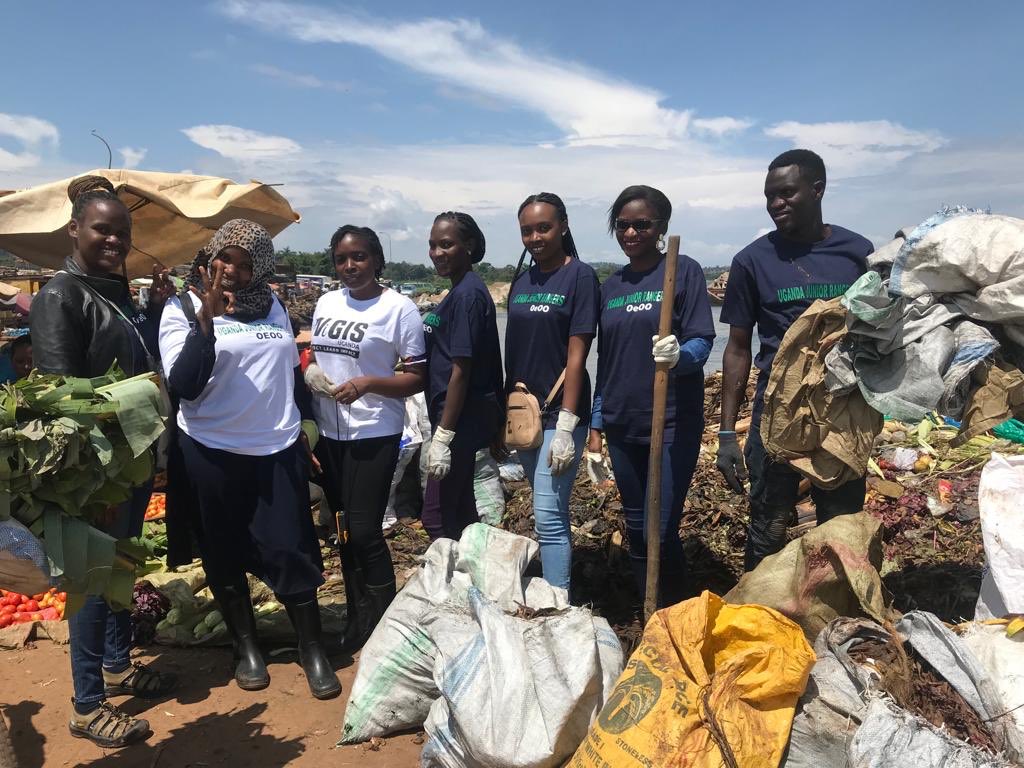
(250, 427)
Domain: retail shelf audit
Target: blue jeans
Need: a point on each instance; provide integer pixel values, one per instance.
(102, 638)
(551, 506)
(678, 461)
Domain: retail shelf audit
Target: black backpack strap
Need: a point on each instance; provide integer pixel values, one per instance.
(185, 297)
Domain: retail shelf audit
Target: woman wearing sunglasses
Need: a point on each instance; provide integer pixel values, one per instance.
(552, 318)
(623, 402)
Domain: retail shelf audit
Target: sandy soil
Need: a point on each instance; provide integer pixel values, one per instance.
(209, 722)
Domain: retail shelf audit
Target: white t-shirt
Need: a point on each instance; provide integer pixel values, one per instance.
(248, 404)
(363, 338)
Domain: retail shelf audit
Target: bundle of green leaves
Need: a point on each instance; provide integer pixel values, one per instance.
(70, 450)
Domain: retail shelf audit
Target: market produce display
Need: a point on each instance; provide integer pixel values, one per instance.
(18, 609)
(70, 450)
(157, 507)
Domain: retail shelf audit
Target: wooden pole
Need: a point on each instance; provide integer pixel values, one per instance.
(657, 435)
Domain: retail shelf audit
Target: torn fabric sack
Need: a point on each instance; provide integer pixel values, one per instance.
(824, 435)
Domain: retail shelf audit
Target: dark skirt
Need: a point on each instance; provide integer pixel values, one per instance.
(250, 514)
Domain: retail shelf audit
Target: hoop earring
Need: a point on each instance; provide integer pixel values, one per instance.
(661, 245)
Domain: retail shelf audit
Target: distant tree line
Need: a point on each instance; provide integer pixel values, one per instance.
(319, 263)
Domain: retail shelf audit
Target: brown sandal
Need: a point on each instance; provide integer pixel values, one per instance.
(110, 728)
(143, 682)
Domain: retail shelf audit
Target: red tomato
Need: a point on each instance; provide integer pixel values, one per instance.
(6, 620)
(7, 610)
(31, 606)
(22, 618)
(12, 598)
(63, 596)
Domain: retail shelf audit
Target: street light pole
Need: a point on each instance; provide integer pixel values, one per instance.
(110, 155)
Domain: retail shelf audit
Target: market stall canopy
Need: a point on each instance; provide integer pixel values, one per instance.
(173, 216)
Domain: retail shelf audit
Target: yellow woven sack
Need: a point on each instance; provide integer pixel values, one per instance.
(711, 684)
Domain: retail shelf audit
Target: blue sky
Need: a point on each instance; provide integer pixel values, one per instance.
(385, 114)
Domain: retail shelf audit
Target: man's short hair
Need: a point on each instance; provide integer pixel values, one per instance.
(811, 166)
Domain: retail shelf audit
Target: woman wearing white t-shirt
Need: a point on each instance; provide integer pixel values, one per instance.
(238, 467)
(361, 335)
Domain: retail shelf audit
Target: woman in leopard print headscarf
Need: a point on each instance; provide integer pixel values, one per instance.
(253, 302)
(238, 465)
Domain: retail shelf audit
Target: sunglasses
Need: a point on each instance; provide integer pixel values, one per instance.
(640, 225)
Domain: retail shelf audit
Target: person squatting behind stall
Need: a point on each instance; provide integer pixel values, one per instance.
(623, 400)
(83, 321)
(16, 363)
(552, 319)
(771, 283)
(464, 385)
(361, 334)
(239, 465)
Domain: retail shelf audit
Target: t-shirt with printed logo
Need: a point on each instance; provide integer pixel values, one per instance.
(773, 280)
(248, 403)
(353, 337)
(630, 312)
(464, 325)
(544, 310)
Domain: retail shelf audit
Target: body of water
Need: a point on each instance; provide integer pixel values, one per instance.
(714, 362)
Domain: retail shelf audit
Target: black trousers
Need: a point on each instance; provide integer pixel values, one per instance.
(774, 491)
(357, 480)
(251, 514)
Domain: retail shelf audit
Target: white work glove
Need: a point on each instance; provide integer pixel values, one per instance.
(318, 382)
(439, 457)
(666, 350)
(597, 469)
(563, 449)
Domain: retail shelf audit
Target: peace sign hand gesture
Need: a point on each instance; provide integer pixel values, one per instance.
(214, 300)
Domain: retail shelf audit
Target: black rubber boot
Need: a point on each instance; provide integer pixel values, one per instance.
(369, 608)
(236, 605)
(323, 683)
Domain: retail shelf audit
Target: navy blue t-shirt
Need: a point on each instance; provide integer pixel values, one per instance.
(774, 280)
(464, 325)
(544, 310)
(630, 310)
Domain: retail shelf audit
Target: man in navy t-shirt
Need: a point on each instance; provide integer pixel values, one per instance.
(771, 283)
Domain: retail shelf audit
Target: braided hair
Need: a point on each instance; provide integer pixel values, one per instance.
(568, 244)
(85, 190)
(469, 230)
(366, 234)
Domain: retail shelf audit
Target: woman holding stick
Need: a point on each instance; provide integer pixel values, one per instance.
(623, 402)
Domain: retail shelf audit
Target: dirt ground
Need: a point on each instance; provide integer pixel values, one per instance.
(931, 562)
(209, 722)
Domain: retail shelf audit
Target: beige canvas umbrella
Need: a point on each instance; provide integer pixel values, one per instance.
(173, 216)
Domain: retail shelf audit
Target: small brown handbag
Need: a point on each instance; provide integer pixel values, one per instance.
(524, 425)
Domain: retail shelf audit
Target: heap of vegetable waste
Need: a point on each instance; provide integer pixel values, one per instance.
(71, 449)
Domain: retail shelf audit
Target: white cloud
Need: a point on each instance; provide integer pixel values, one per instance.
(132, 156)
(858, 147)
(300, 80)
(241, 143)
(720, 126)
(590, 107)
(29, 132)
